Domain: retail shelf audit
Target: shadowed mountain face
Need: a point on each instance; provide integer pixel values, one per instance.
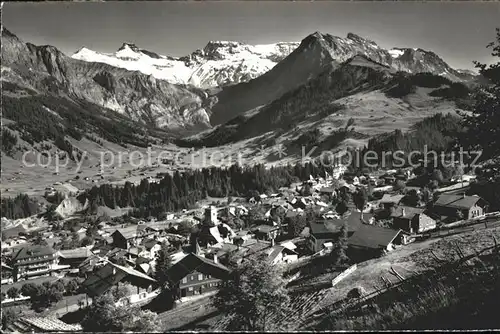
(140, 97)
(313, 99)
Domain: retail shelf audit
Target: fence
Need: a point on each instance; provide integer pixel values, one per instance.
(447, 268)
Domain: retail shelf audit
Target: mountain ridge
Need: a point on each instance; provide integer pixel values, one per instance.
(216, 64)
(141, 97)
(315, 53)
(221, 63)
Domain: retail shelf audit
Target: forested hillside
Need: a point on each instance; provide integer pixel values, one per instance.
(437, 132)
(182, 190)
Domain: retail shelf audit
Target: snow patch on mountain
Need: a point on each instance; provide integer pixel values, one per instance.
(395, 53)
(218, 63)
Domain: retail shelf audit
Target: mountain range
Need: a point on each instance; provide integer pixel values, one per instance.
(259, 88)
(219, 63)
(222, 63)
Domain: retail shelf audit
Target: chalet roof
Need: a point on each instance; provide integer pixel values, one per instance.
(255, 245)
(322, 228)
(289, 244)
(128, 232)
(82, 252)
(409, 211)
(50, 324)
(133, 231)
(150, 243)
(135, 250)
(457, 201)
(108, 276)
(193, 262)
(141, 260)
(116, 253)
(6, 267)
(394, 199)
(332, 226)
(145, 267)
(89, 262)
(30, 251)
(224, 249)
(374, 237)
(276, 250)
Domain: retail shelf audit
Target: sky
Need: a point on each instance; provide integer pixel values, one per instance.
(456, 31)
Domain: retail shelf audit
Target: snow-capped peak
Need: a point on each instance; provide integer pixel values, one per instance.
(218, 63)
(395, 52)
(128, 45)
(128, 50)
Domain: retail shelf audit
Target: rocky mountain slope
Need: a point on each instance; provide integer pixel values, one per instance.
(219, 63)
(140, 97)
(316, 52)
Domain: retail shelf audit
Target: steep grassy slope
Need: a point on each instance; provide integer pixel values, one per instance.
(453, 292)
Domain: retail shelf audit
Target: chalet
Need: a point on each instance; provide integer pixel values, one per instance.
(324, 231)
(374, 238)
(281, 254)
(147, 249)
(460, 206)
(151, 247)
(111, 274)
(412, 220)
(266, 232)
(196, 275)
(32, 261)
(389, 200)
(144, 267)
(211, 235)
(74, 257)
(239, 250)
(132, 235)
(90, 264)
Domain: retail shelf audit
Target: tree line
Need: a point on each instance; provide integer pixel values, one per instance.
(182, 190)
(21, 206)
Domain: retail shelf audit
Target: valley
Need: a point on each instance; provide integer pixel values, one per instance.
(317, 105)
